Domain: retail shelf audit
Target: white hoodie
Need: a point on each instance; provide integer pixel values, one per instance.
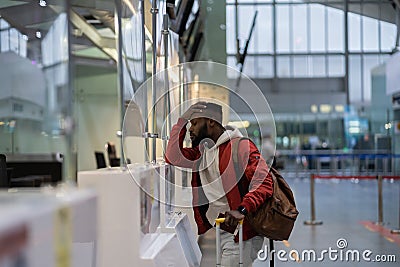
(211, 178)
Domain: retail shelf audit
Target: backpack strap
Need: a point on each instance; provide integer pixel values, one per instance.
(235, 158)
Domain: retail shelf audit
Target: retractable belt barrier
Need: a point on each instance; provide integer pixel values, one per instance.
(338, 162)
(379, 178)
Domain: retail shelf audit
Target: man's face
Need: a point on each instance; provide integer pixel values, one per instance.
(198, 130)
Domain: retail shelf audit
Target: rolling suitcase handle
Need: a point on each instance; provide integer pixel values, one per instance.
(218, 241)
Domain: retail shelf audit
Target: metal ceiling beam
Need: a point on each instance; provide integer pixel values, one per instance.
(368, 9)
(106, 44)
(148, 21)
(95, 62)
(106, 17)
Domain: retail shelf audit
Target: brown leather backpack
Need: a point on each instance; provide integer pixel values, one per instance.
(275, 218)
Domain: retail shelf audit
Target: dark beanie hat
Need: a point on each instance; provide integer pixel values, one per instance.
(213, 111)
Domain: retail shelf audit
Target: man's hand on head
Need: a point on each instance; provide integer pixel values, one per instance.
(196, 108)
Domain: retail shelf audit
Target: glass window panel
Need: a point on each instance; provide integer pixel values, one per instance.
(245, 20)
(335, 29)
(317, 28)
(231, 62)
(5, 40)
(383, 58)
(47, 43)
(355, 78)
(388, 36)
(354, 25)
(282, 28)
(4, 24)
(300, 66)
(336, 66)
(370, 34)
(133, 71)
(62, 29)
(299, 37)
(131, 32)
(263, 31)
(56, 42)
(317, 64)
(22, 46)
(230, 30)
(261, 41)
(48, 93)
(283, 66)
(265, 66)
(249, 67)
(14, 40)
(370, 62)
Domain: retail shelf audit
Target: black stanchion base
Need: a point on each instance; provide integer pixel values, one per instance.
(395, 231)
(312, 222)
(379, 223)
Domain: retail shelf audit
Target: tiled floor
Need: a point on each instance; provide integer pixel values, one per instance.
(342, 205)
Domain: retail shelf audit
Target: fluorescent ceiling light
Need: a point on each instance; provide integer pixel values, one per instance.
(240, 124)
(314, 108)
(324, 108)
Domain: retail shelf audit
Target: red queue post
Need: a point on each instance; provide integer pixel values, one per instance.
(397, 231)
(313, 220)
(380, 201)
(379, 178)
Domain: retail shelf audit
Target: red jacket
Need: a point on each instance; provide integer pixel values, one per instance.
(256, 170)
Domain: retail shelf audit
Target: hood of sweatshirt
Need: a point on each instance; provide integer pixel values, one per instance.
(211, 178)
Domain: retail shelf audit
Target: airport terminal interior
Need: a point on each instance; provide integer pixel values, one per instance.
(90, 90)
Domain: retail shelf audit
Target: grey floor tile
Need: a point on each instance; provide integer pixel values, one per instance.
(341, 205)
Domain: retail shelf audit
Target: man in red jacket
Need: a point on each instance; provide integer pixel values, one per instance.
(214, 182)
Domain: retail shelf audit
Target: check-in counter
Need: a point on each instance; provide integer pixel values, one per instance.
(138, 225)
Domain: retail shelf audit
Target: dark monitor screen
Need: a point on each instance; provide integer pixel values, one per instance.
(100, 160)
(24, 168)
(3, 172)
